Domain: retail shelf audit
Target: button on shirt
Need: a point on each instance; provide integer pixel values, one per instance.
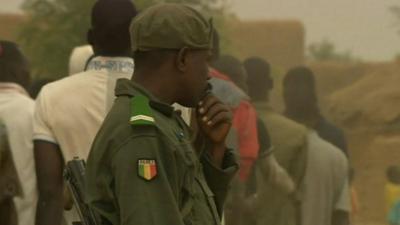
(16, 111)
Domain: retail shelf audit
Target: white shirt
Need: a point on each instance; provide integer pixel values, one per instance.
(16, 110)
(325, 183)
(69, 112)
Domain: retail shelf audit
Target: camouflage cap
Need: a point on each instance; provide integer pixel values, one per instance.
(171, 26)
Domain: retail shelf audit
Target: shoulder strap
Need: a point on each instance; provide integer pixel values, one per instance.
(141, 112)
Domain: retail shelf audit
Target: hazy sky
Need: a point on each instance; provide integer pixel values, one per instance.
(365, 27)
(9, 5)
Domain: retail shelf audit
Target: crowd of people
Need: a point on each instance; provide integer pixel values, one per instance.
(173, 131)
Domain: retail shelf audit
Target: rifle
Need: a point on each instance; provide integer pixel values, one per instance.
(74, 174)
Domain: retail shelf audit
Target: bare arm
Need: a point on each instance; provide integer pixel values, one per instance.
(341, 215)
(49, 170)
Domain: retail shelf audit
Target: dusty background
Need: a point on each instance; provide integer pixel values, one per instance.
(363, 98)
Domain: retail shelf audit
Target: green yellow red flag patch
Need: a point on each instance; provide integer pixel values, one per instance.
(147, 169)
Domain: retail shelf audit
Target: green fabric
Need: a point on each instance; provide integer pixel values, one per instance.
(188, 189)
(141, 113)
(289, 140)
(171, 26)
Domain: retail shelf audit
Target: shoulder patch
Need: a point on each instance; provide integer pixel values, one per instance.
(141, 112)
(147, 169)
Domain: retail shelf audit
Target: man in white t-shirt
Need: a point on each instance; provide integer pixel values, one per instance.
(326, 199)
(70, 111)
(16, 111)
(326, 191)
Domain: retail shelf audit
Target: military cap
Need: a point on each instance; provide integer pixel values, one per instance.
(171, 26)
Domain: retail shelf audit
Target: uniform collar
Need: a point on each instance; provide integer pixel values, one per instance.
(129, 88)
(112, 64)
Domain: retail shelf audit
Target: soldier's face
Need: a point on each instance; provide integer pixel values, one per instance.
(196, 78)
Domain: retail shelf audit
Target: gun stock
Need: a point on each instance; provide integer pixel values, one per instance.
(74, 174)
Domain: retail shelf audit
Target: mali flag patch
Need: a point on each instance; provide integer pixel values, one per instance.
(147, 169)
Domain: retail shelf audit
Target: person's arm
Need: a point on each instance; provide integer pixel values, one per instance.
(49, 163)
(269, 167)
(275, 175)
(219, 163)
(146, 202)
(49, 172)
(215, 120)
(341, 213)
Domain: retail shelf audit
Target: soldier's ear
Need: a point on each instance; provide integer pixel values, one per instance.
(182, 59)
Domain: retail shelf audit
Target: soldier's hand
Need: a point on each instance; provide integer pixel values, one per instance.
(214, 119)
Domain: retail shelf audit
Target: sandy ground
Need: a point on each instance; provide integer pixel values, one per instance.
(371, 154)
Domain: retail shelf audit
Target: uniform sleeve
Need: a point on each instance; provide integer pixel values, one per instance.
(41, 125)
(146, 202)
(219, 179)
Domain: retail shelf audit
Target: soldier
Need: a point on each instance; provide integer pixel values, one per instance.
(326, 188)
(143, 168)
(289, 139)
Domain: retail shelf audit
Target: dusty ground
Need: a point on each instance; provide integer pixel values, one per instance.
(371, 154)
